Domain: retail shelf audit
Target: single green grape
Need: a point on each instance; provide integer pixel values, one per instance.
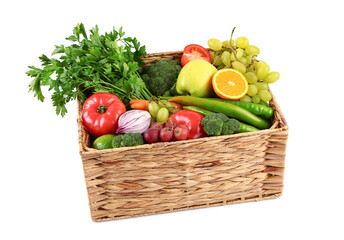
(255, 63)
(153, 108)
(227, 43)
(264, 103)
(239, 53)
(162, 103)
(215, 56)
(252, 90)
(163, 115)
(251, 77)
(271, 77)
(265, 95)
(252, 50)
(226, 58)
(233, 57)
(165, 103)
(215, 44)
(262, 85)
(221, 66)
(249, 59)
(217, 60)
(252, 69)
(212, 54)
(261, 64)
(262, 70)
(241, 42)
(246, 99)
(239, 66)
(243, 61)
(256, 99)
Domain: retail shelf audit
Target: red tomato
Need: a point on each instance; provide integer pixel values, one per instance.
(194, 51)
(192, 120)
(101, 112)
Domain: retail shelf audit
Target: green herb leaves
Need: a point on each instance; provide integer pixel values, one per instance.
(95, 63)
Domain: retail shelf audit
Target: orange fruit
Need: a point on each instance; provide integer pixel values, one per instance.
(229, 84)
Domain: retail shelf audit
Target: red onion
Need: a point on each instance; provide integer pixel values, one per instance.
(134, 121)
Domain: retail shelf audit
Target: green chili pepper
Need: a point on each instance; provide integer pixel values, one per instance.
(243, 127)
(255, 108)
(226, 108)
(247, 128)
(197, 109)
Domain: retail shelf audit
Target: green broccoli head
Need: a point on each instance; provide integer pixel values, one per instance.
(116, 141)
(172, 91)
(131, 139)
(215, 124)
(161, 76)
(127, 140)
(213, 127)
(231, 126)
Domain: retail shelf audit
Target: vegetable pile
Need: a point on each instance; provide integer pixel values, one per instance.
(222, 90)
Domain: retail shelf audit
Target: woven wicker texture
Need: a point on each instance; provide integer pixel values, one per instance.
(165, 177)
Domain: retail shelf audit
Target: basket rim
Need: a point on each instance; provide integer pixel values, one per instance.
(164, 144)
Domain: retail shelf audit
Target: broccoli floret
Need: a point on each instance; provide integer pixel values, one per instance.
(215, 124)
(132, 139)
(213, 127)
(116, 142)
(161, 76)
(127, 140)
(171, 92)
(216, 116)
(231, 126)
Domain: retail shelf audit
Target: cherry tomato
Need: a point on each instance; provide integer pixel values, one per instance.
(192, 120)
(101, 112)
(194, 51)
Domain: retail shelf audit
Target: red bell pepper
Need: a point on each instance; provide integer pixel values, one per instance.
(192, 120)
(101, 112)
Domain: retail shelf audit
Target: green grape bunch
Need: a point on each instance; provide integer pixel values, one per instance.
(238, 54)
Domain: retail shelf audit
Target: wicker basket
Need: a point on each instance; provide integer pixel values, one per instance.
(165, 177)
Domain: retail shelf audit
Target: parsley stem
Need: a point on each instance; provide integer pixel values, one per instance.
(107, 83)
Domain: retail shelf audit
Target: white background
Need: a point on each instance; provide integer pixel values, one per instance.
(43, 193)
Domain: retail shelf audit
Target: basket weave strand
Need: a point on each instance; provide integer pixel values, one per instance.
(165, 177)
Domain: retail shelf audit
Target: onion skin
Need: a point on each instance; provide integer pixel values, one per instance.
(134, 121)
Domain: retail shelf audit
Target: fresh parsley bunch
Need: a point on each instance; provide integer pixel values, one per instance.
(98, 63)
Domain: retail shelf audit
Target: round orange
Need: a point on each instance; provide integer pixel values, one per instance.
(229, 84)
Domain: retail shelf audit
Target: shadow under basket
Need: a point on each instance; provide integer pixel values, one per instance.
(166, 177)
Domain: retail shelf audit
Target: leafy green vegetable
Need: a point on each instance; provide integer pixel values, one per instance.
(98, 63)
(161, 77)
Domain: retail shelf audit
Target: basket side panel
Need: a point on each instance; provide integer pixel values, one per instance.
(275, 162)
(214, 171)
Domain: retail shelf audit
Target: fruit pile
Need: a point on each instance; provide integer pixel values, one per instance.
(242, 56)
(166, 132)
